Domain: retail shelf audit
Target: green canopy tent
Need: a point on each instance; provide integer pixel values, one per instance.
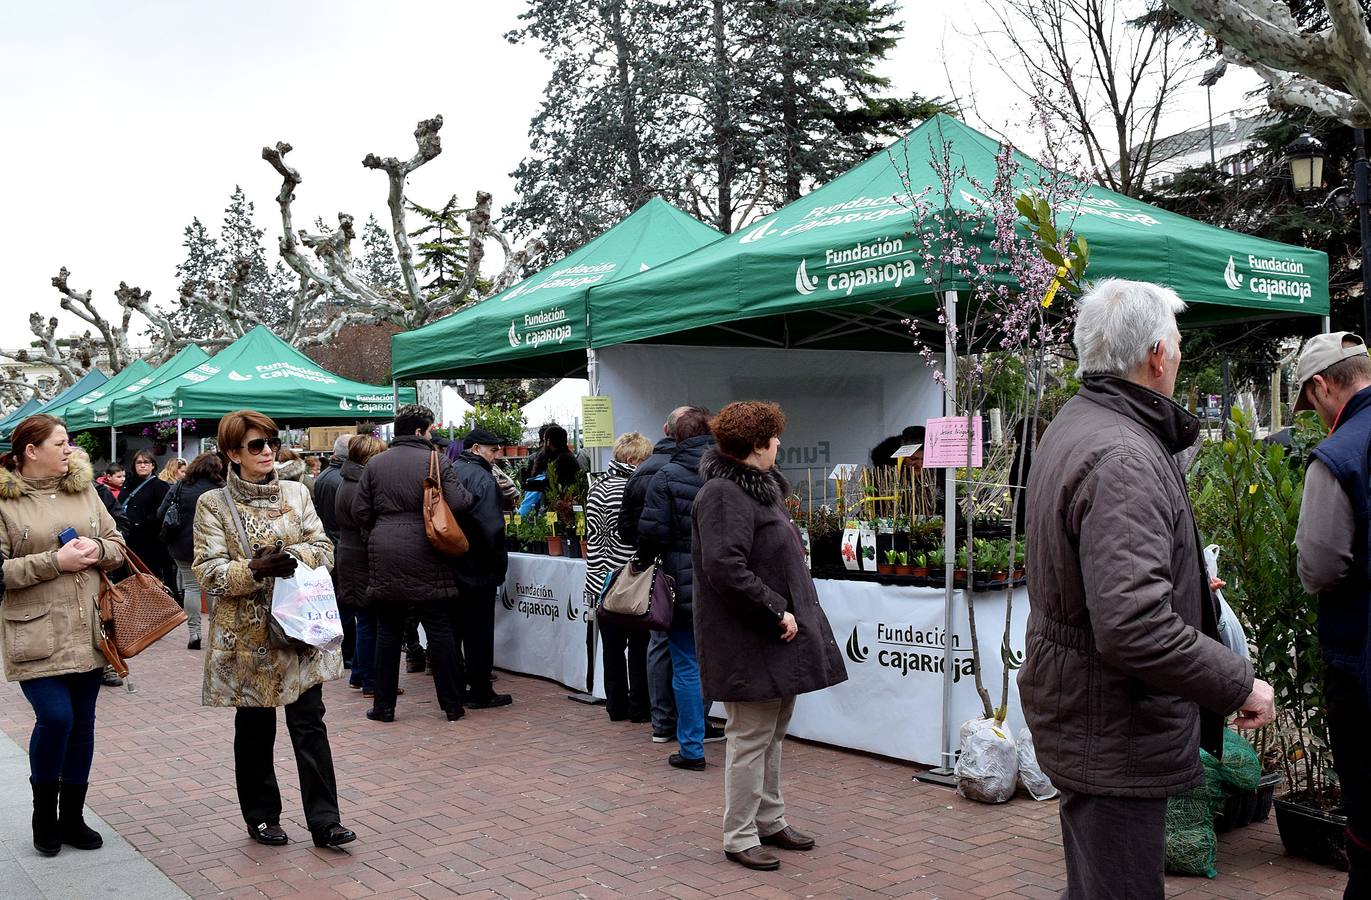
(839, 268)
(85, 384)
(11, 421)
(77, 412)
(539, 325)
(126, 406)
(262, 372)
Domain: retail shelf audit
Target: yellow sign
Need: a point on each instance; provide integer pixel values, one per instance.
(597, 418)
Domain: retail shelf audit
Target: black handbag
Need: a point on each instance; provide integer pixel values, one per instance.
(171, 522)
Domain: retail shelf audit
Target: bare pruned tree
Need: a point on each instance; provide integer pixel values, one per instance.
(1327, 71)
(1101, 69)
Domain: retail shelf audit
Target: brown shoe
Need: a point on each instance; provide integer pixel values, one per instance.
(789, 839)
(755, 858)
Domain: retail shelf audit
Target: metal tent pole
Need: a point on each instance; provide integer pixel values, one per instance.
(592, 627)
(113, 445)
(180, 441)
(943, 774)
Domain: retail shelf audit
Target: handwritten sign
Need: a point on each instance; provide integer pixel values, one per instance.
(597, 416)
(945, 443)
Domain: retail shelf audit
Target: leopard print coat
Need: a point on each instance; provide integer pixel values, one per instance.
(240, 669)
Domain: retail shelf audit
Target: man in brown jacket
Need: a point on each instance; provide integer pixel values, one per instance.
(1124, 678)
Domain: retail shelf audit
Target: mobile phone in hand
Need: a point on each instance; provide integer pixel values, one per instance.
(66, 536)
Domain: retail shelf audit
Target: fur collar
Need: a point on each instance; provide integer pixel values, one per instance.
(78, 480)
(766, 488)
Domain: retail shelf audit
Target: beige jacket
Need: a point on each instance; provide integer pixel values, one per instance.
(240, 669)
(49, 619)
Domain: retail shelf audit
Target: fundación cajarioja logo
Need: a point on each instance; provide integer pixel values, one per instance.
(909, 650)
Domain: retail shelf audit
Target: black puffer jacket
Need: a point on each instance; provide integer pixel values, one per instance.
(350, 558)
(144, 528)
(404, 568)
(325, 493)
(635, 492)
(185, 495)
(485, 565)
(664, 529)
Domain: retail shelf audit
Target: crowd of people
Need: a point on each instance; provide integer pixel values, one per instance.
(1124, 680)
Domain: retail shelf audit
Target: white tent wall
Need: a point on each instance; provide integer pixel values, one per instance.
(838, 405)
(560, 404)
(455, 407)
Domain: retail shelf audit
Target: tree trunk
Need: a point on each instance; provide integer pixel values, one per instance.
(723, 136)
(431, 395)
(632, 150)
(790, 121)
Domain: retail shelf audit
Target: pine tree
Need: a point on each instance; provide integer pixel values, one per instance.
(240, 238)
(730, 108)
(441, 253)
(203, 265)
(377, 265)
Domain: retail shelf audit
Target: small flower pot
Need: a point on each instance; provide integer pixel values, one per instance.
(521, 450)
(959, 577)
(573, 548)
(885, 569)
(919, 571)
(554, 547)
(904, 570)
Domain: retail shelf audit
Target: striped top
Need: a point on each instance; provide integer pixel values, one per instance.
(605, 553)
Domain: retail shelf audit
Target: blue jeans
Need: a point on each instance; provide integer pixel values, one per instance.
(63, 741)
(364, 650)
(685, 684)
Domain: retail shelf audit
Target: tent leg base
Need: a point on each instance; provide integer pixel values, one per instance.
(942, 777)
(587, 699)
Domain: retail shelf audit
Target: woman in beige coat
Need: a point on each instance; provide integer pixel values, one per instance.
(256, 529)
(56, 536)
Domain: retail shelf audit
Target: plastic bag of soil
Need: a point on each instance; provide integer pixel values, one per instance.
(988, 765)
(1031, 775)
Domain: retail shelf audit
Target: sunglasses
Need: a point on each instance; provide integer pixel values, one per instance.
(257, 445)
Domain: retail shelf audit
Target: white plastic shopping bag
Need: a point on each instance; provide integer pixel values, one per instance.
(1231, 632)
(306, 608)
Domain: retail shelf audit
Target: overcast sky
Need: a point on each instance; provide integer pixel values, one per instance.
(122, 121)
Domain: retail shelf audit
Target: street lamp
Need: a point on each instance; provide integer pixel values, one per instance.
(1306, 156)
(1210, 78)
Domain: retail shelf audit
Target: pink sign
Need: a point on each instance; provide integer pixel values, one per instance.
(945, 443)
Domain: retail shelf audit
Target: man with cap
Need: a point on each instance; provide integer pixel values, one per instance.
(482, 570)
(1333, 378)
(325, 490)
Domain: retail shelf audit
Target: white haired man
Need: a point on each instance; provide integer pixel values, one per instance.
(1124, 678)
(1333, 378)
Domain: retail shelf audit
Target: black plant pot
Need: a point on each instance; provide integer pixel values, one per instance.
(1313, 834)
(1266, 792)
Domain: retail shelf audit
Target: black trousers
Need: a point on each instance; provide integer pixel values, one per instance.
(1115, 847)
(445, 664)
(412, 645)
(625, 684)
(476, 632)
(254, 740)
(1349, 731)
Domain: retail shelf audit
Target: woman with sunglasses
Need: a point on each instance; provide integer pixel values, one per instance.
(253, 531)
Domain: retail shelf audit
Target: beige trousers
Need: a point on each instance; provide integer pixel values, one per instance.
(753, 807)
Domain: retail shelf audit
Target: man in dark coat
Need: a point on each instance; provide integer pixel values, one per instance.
(407, 574)
(664, 532)
(658, 652)
(481, 572)
(326, 486)
(1333, 378)
(1124, 678)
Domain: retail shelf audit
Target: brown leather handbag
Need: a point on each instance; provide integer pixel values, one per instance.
(136, 612)
(440, 524)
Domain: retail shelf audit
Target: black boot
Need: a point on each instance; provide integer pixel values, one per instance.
(70, 821)
(47, 838)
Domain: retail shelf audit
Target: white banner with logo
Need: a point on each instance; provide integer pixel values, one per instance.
(892, 640)
(540, 621)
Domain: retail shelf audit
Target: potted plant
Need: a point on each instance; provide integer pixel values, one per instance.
(937, 566)
(887, 567)
(919, 565)
(1247, 500)
(555, 544)
(902, 566)
(959, 568)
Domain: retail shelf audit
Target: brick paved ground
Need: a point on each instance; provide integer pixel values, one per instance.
(549, 798)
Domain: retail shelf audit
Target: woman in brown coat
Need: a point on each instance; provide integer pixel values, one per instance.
(760, 634)
(253, 531)
(56, 535)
